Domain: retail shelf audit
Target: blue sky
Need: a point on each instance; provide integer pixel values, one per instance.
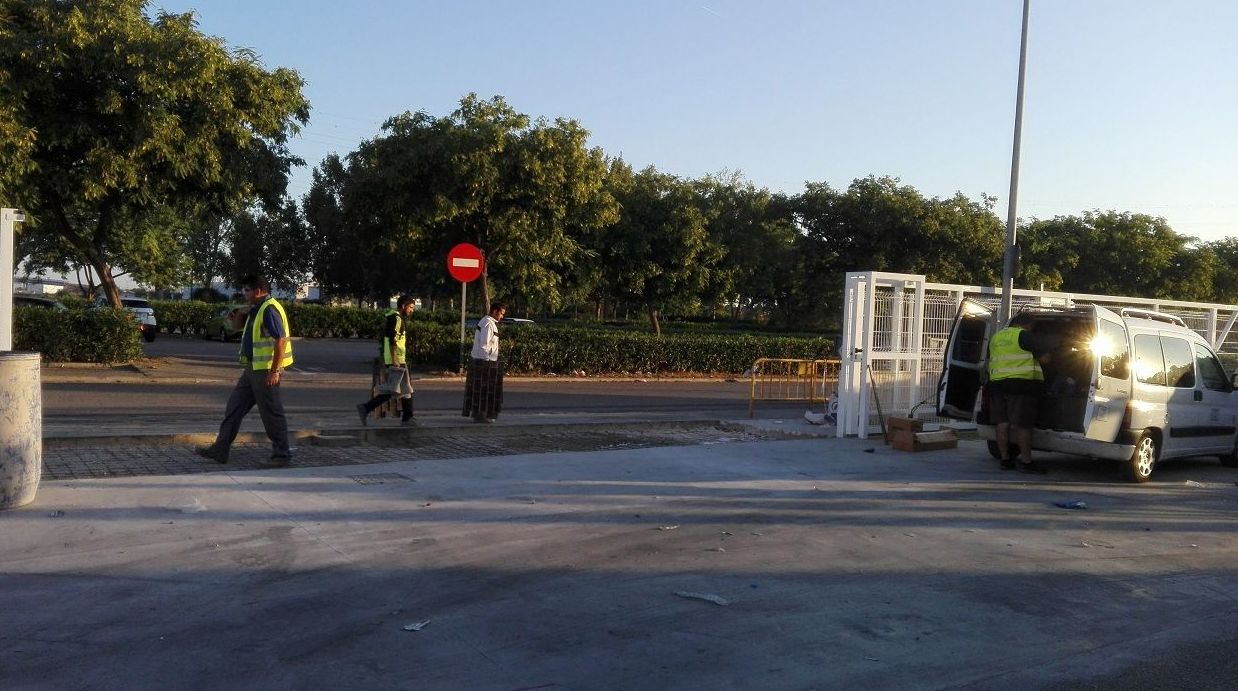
(1130, 104)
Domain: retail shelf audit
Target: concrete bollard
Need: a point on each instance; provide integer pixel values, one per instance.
(21, 428)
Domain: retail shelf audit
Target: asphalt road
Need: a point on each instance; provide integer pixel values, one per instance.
(190, 379)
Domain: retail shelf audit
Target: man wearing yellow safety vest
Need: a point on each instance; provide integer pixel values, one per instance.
(266, 349)
(396, 382)
(1016, 383)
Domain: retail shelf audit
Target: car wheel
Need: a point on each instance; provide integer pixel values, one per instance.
(1147, 449)
(149, 335)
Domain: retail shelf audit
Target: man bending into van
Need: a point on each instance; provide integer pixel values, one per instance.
(1016, 383)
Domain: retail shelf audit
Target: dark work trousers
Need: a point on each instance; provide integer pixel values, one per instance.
(252, 389)
(406, 405)
(483, 390)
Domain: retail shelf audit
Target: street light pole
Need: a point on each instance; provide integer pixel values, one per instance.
(1008, 262)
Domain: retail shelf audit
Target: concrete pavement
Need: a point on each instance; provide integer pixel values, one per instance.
(593, 553)
(842, 563)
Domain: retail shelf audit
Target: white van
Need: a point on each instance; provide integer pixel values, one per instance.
(1136, 386)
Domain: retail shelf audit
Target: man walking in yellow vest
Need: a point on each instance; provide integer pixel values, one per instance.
(396, 381)
(266, 349)
(1016, 383)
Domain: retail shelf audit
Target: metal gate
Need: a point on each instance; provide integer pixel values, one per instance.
(895, 328)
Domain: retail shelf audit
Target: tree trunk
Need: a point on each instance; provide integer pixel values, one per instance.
(653, 319)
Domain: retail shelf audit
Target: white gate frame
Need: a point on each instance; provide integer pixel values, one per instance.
(892, 337)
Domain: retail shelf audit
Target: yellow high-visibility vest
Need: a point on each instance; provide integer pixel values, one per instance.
(264, 345)
(1008, 361)
(395, 352)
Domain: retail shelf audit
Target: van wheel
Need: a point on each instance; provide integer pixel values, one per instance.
(1230, 460)
(996, 453)
(1139, 468)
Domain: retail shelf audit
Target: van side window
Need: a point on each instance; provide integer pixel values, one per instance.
(1179, 362)
(1211, 372)
(1149, 364)
(1115, 356)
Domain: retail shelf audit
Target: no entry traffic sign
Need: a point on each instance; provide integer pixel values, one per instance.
(465, 263)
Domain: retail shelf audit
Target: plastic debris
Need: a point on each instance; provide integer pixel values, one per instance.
(707, 597)
(417, 626)
(726, 532)
(1084, 543)
(667, 527)
(814, 418)
(187, 505)
(1071, 504)
(1192, 483)
(716, 549)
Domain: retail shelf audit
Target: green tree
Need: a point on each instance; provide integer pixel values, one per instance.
(525, 192)
(756, 233)
(881, 225)
(271, 243)
(1117, 253)
(659, 254)
(111, 118)
(1225, 279)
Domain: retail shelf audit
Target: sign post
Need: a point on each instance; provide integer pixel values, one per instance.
(465, 263)
(9, 218)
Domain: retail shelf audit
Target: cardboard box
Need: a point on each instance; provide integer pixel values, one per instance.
(897, 427)
(934, 441)
(907, 434)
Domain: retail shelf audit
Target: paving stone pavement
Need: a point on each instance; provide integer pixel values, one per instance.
(71, 463)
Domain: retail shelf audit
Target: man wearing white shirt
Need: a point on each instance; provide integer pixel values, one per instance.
(483, 388)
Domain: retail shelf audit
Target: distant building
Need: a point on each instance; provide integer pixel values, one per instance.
(37, 285)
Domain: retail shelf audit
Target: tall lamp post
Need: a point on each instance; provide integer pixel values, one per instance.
(1004, 313)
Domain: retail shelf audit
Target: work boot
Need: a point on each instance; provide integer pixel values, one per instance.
(209, 452)
(1008, 464)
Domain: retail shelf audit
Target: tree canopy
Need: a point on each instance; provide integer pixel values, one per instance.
(112, 120)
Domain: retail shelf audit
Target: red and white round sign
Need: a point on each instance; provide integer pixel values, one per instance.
(465, 262)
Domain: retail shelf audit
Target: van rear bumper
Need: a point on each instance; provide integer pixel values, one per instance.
(1075, 443)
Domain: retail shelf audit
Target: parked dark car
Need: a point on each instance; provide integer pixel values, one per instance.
(220, 326)
(37, 301)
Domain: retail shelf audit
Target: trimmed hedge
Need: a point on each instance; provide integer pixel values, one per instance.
(540, 350)
(184, 316)
(435, 342)
(79, 335)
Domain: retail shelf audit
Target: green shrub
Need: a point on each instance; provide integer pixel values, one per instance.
(183, 316)
(81, 335)
(321, 321)
(562, 350)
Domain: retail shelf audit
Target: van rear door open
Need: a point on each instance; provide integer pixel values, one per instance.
(1110, 390)
(966, 358)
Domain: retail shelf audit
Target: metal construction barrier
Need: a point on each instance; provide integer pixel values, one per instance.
(785, 379)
